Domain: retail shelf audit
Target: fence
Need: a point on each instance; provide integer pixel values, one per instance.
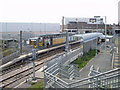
(66, 58)
(10, 57)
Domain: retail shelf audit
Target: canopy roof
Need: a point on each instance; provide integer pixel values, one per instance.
(90, 36)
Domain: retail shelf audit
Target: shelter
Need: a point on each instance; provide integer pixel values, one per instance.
(89, 40)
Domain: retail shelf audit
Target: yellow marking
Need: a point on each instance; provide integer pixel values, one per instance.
(116, 63)
(35, 46)
(117, 55)
(117, 60)
(40, 44)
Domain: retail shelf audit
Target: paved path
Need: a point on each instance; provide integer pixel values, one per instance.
(102, 60)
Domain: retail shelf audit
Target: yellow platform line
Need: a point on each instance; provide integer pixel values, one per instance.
(117, 60)
(116, 63)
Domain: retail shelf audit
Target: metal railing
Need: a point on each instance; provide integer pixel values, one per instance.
(70, 72)
(109, 79)
(67, 58)
(10, 57)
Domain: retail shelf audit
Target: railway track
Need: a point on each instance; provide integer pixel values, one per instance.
(13, 78)
(41, 56)
(26, 61)
(10, 79)
(22, 73)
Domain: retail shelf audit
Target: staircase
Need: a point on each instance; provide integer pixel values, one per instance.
(57, 76)
(116, 60)
(70, 72)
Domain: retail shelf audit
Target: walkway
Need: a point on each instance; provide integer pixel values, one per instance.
(102, 60)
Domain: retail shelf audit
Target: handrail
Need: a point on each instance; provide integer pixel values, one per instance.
(97, 80)
(51, 67)
(57, 78)
(96, 75)
(111, 74)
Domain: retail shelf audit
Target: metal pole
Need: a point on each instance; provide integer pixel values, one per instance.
(96, 38)
(96, 46)
(63, 24)
(33, 58)
(67, 42)
(21, 42)
(105, 34)
(34, 70)
(77, 25)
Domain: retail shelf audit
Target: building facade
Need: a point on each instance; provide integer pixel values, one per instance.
(84, 25)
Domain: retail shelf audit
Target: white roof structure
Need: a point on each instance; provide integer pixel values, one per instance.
(34, 38)
(89, 36)
(108, 37)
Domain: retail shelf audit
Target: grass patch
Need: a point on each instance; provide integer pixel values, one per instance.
(82, 61)
(39, 86)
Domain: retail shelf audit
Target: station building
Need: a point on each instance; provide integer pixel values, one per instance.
(85, 25)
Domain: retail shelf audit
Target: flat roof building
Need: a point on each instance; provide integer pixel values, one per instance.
(85, 25)
(95, 20)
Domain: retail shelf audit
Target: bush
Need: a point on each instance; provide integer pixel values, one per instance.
(82, 61)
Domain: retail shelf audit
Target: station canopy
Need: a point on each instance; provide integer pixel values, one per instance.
(90, 36)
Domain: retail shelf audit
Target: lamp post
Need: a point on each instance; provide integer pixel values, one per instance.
(77, 25)
(105, 31)
(21, 42)
(67, 42)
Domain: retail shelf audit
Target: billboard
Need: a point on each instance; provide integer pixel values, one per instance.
(92, 20)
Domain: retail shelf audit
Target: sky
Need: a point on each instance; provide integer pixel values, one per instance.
(51, 11)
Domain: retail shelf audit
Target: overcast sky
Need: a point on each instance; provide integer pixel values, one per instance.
(52, 10)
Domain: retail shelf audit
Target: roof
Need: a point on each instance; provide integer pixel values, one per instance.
(34, 38)
(8, 39)
(89, 36)
(109, 36)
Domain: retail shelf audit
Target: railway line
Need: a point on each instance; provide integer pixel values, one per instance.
(13, 74)
(16, 75)
(25, 62)
(24, 59)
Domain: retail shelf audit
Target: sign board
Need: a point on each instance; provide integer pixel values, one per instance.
(92, 20)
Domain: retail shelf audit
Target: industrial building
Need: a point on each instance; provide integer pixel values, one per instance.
(35, 27)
